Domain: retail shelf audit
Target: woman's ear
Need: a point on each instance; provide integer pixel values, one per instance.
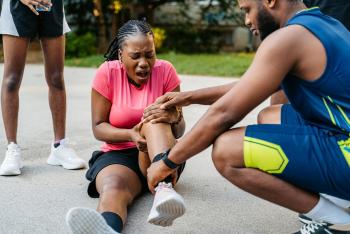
(120, 55)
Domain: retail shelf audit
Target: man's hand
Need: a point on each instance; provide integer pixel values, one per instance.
(156, 173)
(173, 99)
(135, 136)
(31, 4)
(154, 114)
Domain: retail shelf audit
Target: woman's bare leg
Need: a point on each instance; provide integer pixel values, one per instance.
(15, 53)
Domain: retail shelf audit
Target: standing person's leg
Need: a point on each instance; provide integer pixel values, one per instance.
(168, 204)
(53, 50)
(61, 154)
(15, 52)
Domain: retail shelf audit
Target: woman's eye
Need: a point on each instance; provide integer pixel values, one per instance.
(150, 55)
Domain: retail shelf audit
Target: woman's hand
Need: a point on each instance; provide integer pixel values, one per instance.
(135, 136)
(154, 114)
(31, 4)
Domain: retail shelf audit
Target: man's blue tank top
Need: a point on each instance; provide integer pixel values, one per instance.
(324, 102)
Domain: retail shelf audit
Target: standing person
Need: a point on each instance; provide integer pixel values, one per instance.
(297, 151)
(19, 23)
(130, 80)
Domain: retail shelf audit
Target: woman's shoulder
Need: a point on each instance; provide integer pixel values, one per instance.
(114, 64)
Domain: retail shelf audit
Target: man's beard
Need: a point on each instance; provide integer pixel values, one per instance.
(266, 23)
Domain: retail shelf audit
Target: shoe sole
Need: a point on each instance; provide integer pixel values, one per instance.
(54, 162)
(11, 173)
(168, 211)
(87, 221)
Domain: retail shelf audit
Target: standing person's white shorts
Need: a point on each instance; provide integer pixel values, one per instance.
(17, 19)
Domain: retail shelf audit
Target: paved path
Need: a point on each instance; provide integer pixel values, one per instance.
(36, 202)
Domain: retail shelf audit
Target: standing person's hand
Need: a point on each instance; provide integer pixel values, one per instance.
(31, 4)
(135, 136)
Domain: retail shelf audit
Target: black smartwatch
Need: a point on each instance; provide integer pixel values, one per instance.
(168, 162)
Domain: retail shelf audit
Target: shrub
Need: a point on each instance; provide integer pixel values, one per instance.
(80, 45)
(159, 37)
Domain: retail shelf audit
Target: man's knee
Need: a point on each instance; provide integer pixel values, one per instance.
(55, 81)
(12, 82)
(228, 151)
(270, 115)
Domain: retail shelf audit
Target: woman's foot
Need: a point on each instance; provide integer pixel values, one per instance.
(167, 205)
(87, 221)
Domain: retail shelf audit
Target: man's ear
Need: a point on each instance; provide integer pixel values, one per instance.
(270, 3)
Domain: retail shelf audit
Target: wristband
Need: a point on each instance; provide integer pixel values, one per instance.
(168, 162)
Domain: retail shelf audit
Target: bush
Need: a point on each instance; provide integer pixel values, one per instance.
(78, 46)
(186, 39)
(159, 37)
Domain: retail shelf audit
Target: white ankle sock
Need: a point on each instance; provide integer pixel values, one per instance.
(327, 211)
(338, 201)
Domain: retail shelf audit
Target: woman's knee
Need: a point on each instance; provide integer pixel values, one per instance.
(55, 80)
(228, 150)
(115, 185)
(270, 115)
(12, 82)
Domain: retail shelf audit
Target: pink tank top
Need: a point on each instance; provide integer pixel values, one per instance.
(128, 101)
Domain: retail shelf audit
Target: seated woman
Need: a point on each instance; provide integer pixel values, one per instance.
(130, 80)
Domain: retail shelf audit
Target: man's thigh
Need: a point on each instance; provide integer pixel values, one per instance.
(306, 156)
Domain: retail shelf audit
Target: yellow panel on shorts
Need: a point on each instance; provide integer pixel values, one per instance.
(264, 155)
(345, 149)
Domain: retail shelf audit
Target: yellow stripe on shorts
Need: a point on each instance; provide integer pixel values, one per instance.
(264, 155)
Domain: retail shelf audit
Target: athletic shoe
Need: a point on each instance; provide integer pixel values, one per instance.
(167, 205)
(12, 163)
(321, 228)
(65, 156)
(304, 219)
(87, 221)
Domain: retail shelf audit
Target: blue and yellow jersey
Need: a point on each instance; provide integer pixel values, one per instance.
(324, 102)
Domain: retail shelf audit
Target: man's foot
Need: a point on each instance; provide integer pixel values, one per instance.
(304, 219)
(12, 163)
(167, 205)
(87, 221)
(323, 228)
(65, 156)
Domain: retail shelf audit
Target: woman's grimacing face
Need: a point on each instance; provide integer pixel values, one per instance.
(138, 56)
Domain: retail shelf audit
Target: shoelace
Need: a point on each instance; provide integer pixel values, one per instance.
(163, 185)
(313, 227)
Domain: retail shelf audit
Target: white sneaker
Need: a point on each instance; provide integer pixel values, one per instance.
(167, 205)
(65, 156)
(12, 162)
(87, 221)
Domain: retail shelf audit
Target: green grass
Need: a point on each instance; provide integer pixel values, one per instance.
(227, 64)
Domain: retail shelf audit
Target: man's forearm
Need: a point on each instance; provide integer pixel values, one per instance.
(208, 96)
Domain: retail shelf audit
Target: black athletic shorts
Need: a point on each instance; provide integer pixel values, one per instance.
(17, 19)
(127, 157)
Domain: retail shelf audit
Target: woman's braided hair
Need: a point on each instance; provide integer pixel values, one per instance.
(130, 28)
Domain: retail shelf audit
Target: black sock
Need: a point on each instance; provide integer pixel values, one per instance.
(113, 220)
(56, 144)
